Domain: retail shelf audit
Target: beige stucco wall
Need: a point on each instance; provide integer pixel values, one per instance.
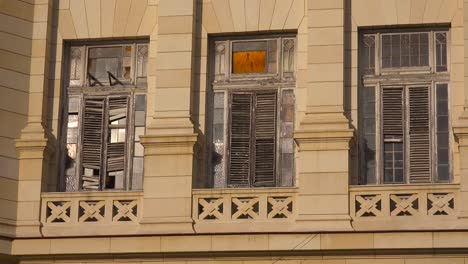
(17, 45)
(32, 34)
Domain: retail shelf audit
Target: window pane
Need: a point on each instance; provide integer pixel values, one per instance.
(441, 51)
(218, 148)
(288, 55)
(393, 162)
(367, 128)
(405, 50)
(286, 138)
(137, 173)
(442, 133)
(142, 60)
(368, 54)
(110, 62)
(249, 57)
(76, 69)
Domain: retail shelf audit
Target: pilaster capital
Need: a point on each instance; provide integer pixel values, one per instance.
(169, 144)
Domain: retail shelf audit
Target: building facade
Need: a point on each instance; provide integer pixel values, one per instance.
(232, 131)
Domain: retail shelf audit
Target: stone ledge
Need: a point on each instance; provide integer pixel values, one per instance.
(271, 243)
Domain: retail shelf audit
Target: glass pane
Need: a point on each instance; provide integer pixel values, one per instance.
(140, 102)
(139, 150)
(110, 62)
(443, 160)
(140, 118)
(142, 60)
(117, 135)
(288, 55)
(72, 135)
(219, 100)
(441, 51)
(217, 153)
(137, 173)
(72, 120)
(249, 62)
(139, 131)
(73, 104)
(368, 54)
(393, 162)
(287, 144)
(367, 128)
(249, 57)
(76, 69)
(405, 50)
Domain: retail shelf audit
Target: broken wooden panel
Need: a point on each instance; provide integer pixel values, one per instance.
(92, 148)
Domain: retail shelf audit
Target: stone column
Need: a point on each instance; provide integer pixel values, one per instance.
(461, 134)
(35, 142)
(170, 137)
(324, 134)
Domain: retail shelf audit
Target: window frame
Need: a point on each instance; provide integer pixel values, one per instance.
(83, 91)
(224, 81)
(405, 77)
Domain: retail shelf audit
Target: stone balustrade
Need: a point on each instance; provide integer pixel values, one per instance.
(404, 207)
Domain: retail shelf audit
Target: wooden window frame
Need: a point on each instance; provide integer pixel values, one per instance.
(225, 82)
(406, 77)
(84, 91)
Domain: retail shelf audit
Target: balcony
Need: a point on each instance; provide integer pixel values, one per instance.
(404, 207)
(97, 213)
(244, 210)
(262, 210)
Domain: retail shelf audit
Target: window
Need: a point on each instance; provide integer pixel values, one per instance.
(106, 112)
(404, 106)
(251, 128)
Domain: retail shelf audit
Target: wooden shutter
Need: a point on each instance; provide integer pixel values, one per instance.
(392, 111)
(93, 133)
(265, 139)
(240, 124)
(393, 139)
(118, 108)
(419, 136)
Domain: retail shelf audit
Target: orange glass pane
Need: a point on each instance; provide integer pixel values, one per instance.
(248, 62)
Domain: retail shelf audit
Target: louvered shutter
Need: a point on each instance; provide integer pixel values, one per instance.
(240, 124)
(393, 128)
(392, 111)
(265, 139)
(116, 151)
(419, 136)
(92, 142)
